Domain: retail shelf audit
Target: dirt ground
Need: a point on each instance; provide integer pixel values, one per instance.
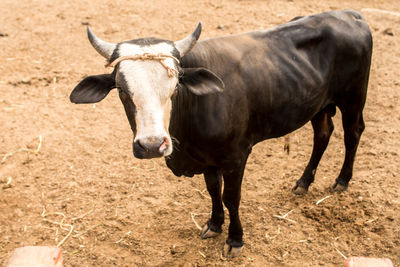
(84, 190)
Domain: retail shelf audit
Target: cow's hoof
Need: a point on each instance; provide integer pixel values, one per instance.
(339, 187)
(299, 190)
(231, 252)
(207, 232)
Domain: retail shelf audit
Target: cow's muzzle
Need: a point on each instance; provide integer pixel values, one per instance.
(150, 147)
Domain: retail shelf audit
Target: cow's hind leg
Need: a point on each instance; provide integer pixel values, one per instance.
(213, 178)
(353, 126)
(323, 128)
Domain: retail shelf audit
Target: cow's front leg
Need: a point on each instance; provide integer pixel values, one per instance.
(231, 198)
(213, 178)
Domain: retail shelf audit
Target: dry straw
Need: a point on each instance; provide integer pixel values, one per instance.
(24, 149)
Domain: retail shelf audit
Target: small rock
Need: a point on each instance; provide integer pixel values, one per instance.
(3, 34)
(364, 261)
(8, 183)
(36, 256)
(177, 249)
(6, 186)
(26, 81)
(388, 31)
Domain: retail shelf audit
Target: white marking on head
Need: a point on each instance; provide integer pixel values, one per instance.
(150, 88)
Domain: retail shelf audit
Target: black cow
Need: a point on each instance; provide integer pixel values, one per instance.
(216, 99)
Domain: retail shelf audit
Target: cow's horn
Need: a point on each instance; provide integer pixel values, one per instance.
(103, 48)
(187, 43)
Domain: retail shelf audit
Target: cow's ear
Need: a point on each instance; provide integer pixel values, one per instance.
(201, 81)
(92, 89)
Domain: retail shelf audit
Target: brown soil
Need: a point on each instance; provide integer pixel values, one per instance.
(130, 212)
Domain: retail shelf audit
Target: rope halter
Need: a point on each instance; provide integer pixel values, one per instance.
(146, 56)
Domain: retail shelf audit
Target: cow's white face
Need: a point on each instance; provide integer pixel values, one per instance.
(147, 85)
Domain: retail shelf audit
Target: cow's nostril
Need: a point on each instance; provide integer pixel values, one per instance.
(141, 146)
(164, 145)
